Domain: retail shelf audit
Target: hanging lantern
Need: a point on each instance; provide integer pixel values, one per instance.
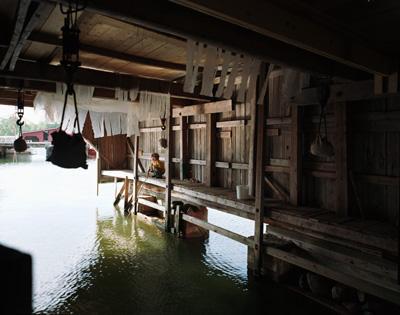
(20, 144)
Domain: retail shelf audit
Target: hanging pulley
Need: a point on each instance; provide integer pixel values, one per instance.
(20, 144)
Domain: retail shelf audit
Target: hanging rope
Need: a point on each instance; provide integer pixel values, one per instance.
(69, 151)
(321, 147)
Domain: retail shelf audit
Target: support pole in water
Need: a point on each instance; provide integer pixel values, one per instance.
(168, 168)
(135, 175)
(126, 194)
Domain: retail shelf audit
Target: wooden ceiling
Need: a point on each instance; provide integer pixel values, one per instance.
(351, 39)
(375, 21)
(104, 33)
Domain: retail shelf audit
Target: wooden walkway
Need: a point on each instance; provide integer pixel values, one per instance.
(369, 233)
(348, 250)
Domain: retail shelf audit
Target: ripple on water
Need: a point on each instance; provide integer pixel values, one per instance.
(90, 259)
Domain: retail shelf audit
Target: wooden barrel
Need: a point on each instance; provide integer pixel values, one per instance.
(146, 209)
(192, 230)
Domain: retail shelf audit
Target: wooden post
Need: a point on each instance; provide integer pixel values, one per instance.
(341, 159)
(251, 171)
(119, 195)
(168, 169)
(135, 174)
(132, 151)
(126, 193)
(295, 157)
(98, 166)
(183, 143)
(211, 138)
(259, 190)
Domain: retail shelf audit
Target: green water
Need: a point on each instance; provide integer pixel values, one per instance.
(91, 259)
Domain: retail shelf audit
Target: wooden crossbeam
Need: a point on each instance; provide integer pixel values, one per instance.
(37, 16)
(206, 108)
(33, 71)
(19, 24)
(273, 21)
(219, 230)
(49, 39)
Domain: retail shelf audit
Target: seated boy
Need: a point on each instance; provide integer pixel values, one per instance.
(156, 168)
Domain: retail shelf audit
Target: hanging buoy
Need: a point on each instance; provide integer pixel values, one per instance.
(20, 145)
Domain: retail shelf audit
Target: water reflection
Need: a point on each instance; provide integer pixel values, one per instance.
(91, 259)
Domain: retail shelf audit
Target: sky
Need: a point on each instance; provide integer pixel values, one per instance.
(31, 115)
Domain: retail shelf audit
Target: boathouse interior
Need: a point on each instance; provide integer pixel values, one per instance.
(286, 113)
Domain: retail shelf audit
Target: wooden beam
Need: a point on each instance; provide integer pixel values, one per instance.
(295, 174)
(251, 144)
(277, 169)
(136, 164)
(206, 108)
(101, 79)
(343, 92)
(271, 20)
(340, 253)
(276, 189)
(151, 204)
(126, 193)
(168, 168)
(272, 121)
(273, 132)
(219, 230)
(209, 172)
(50, 39)
(133, 152)
(259, 190)
(224, 134)
(183, 147)
(231, 123)
(381, 244)
(378, 179)
(40, 12)
(341, 205)
(330, 270)
(177, 20)
(19, 25)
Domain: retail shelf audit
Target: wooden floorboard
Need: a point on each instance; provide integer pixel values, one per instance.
(367, 233)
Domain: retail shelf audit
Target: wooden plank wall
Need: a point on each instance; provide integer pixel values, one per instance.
(373, 147)
(374, 144)
(319, 173)
(279, 141)
(232, 147)
(113, 149)
(197, 147)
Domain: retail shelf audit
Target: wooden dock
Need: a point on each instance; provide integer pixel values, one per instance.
(356, 259)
